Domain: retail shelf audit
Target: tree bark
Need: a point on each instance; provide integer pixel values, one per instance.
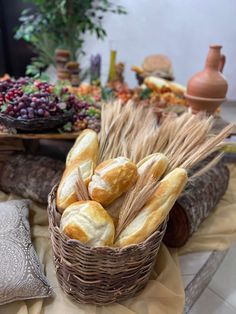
(197, 201)
(30, 176)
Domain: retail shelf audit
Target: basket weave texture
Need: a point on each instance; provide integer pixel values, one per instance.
(37, 124)
(100, 275)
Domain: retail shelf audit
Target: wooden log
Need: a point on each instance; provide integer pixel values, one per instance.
(199, 198)
(30, 176)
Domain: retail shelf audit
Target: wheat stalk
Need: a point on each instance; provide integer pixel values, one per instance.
(136, 198)
(132, 131)
(80, 188)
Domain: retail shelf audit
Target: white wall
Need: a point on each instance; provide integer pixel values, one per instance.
(181, 29)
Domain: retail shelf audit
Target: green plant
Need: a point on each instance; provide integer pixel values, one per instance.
(62, 24)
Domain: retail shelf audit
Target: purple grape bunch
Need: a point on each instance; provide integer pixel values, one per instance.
(87, 115)
(25, 99)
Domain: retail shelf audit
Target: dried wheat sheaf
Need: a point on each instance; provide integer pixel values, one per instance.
(132, 131)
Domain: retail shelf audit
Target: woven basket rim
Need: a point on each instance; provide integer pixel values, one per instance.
(52, 210)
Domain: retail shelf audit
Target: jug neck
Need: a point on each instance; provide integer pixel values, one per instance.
(213, 57)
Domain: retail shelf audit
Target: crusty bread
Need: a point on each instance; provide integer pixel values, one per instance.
(88, 222)
(66, 192)
(84, 148)
(137, 69)
(176, 88)
(112, 178)
(158, 64)
(157, 84)
(160, 163)
(156, 209)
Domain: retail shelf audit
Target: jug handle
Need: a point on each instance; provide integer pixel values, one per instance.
(222, 63)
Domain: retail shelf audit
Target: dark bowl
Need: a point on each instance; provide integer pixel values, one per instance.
(36, 125)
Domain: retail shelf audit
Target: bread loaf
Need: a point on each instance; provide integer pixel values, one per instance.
(178, 89)
(156, 209)
(112, 178)
(66, 192)
(88, 222)
(157, 84)
(159, 161)
(83, 155)
(85, 148)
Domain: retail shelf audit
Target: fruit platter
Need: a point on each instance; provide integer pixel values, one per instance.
(28, 105)
(35, 106)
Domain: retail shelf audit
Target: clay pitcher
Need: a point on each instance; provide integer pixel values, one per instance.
(207, 89)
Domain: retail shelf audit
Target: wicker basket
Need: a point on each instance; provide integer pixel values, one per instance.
(37, 124)
(100, 275)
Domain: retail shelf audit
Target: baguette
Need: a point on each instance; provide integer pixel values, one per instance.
(156, 84)
(156, 209)
(85, 148)
(112, 178)
(178, 89)
(160, 163)
(66, 192)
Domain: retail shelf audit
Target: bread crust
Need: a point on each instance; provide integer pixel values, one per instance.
(160, 163)
(88, 222)
(158, 62)
(156, 209)
(66, 192)
(112, 178)
(85, 148)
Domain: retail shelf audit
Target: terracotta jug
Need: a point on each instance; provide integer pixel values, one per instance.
(207, 89)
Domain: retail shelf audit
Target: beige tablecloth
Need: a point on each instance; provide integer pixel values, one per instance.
(164, 293)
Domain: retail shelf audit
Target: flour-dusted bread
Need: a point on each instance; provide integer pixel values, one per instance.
(156, 209)
(84, 149)
(111, 179)
(88, 222)
(159, 164)
(66, 192)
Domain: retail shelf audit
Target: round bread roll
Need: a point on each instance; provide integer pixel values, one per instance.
(66, 192)
(112, 178)
(88, 222)
(84, 148)
(158, 64)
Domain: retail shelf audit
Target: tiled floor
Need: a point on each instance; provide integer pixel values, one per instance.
(220, 295)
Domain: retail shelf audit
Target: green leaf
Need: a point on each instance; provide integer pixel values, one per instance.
(67, 127)
(62, 23)
(4, 107)
(145, 93)
(29, 89)
(57, 89)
